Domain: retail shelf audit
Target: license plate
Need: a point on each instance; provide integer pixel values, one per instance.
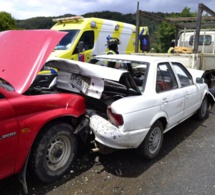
(78, 82)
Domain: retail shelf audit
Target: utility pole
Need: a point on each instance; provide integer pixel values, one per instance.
(198, 27)
(137, 28)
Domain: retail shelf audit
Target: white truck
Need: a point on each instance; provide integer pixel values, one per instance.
(204, 59)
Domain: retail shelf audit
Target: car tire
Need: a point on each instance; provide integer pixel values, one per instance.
(151, 145)
(202, 112)
(53, 152)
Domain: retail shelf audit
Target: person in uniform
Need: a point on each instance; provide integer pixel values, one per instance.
(112, 45)
(172, 47)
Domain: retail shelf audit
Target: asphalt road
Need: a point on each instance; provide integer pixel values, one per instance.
(185, 166)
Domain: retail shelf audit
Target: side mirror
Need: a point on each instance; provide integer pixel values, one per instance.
(199, 80)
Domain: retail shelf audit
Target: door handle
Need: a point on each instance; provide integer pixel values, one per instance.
(186, 94)
(165, 100)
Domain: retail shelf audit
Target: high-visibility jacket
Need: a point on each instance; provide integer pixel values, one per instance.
(170, 50)
(111, 64)
(111, 52)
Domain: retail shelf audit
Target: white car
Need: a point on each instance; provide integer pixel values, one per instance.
(133, 106)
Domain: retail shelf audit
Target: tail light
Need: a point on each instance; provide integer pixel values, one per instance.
(115, 119)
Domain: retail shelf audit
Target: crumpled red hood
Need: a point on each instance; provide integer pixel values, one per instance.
(23, 53)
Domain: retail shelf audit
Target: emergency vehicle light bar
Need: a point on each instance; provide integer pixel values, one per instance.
(66, 19)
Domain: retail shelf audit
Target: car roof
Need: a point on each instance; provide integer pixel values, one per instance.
(23, 53)
(142, 58)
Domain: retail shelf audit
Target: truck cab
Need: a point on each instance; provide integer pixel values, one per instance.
(206, 42)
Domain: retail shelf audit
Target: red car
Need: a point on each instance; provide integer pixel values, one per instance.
(38, 132)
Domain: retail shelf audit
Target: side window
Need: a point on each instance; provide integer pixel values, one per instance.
(88, 39)
(183, 74)
(165, 78)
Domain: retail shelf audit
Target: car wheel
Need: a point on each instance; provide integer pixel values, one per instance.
(152, 143)
(202, 112)
(53, 152)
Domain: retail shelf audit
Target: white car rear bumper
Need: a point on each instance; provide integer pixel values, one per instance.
(111, 136)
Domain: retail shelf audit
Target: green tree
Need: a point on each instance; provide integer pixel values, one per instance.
(186, 13)
(165, 34)
(7, 22)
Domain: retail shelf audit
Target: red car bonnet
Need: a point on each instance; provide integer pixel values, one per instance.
(23, 53)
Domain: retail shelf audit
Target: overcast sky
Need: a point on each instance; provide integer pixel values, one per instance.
(35, 8)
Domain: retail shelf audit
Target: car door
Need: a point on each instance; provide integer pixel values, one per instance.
(170, 95)
(192, 95)
(88, 43)
(8, 137)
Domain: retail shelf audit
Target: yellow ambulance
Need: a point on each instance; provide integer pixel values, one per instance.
(87, 37)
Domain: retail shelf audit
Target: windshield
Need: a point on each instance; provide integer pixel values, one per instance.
(66, 42)
(6, 85)
(203, 40)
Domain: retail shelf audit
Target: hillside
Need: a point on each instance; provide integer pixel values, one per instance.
(46, 22)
